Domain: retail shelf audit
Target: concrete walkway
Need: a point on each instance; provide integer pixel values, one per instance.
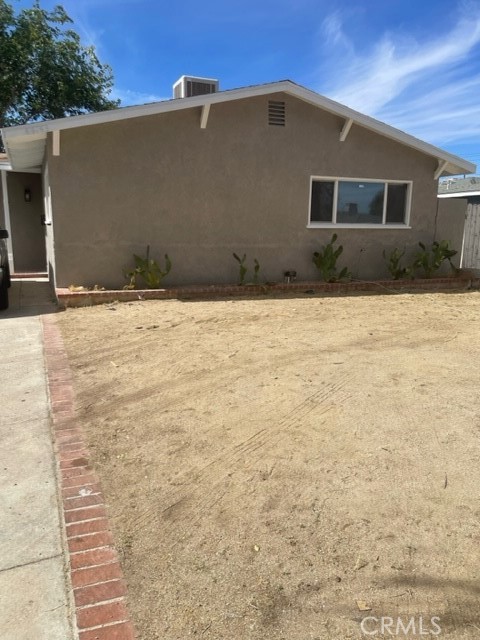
(34, 595)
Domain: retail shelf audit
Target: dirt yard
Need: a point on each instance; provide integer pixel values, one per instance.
(283, 468)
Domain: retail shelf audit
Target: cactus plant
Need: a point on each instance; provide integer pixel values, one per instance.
(244, 270)
(149, 270)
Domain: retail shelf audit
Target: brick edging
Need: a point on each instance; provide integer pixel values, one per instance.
(99, 588)
(67, 298)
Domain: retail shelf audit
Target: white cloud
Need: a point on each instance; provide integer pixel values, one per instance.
(129, 97)
(447, 113)
(332, 30)
(427, 88)
(89, 35)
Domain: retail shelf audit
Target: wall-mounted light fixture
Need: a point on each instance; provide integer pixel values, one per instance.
(27, 195)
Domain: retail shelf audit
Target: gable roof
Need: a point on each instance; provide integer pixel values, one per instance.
(25, 144)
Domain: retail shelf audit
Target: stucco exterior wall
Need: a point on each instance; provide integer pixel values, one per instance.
(450, 224)
(28, 235)
(201, 194)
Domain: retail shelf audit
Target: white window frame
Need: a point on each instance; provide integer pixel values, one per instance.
(350, 225)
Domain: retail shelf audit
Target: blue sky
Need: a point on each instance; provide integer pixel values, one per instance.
(415, 65)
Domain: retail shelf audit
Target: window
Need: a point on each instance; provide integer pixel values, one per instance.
(352, 202)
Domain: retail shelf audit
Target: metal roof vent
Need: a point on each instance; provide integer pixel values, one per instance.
(188, 86)
(276, 113)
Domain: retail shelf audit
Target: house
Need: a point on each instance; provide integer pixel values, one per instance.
(271, 171)
(468, 188)
(465, 192)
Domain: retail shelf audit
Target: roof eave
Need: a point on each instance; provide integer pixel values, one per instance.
(452, 165)
(459, 194)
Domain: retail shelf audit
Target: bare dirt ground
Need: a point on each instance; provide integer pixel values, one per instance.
(274, 466)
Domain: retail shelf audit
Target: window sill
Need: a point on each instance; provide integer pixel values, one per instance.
(330, 225)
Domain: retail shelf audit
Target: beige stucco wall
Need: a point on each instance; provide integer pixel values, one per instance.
(28, 234)
(239, 185)
(450, 224)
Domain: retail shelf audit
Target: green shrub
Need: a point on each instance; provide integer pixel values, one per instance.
(397, 271)
(326, 262)
(149, 270)
(430, 260)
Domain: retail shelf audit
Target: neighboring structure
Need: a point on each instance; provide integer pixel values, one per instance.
(460, 188)
(467, 192)
(270, 170)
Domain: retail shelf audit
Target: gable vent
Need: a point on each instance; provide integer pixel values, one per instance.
(189, 86)
(276, 113)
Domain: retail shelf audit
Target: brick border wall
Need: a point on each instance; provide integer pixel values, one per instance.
(99, 588)
(67, 298)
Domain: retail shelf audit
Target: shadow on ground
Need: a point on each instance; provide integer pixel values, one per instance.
(29, 298)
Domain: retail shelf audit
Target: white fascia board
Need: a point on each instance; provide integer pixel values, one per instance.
(455, 165)
(459, 194)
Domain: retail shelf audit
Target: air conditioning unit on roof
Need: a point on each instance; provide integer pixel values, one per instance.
(188, 86)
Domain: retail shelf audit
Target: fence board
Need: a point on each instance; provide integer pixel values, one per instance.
(471, 238)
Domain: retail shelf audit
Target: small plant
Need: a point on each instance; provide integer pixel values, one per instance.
(326, 262)
(430, 260)
(256, 269)
(394, 267)
(149, 270)
(244, 270)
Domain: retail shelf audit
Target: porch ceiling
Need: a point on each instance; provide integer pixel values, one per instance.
(27, 152)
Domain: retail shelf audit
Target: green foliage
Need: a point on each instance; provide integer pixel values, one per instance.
(430, 260)
(149, 270)
(243, 269)
(45, 70)
(326, 262)
(393, 263)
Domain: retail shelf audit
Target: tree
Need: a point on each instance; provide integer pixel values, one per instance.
(45, 71)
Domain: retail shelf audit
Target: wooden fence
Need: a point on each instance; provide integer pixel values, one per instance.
(471, 238)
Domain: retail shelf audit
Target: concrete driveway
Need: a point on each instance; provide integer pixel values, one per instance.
(34, 592)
